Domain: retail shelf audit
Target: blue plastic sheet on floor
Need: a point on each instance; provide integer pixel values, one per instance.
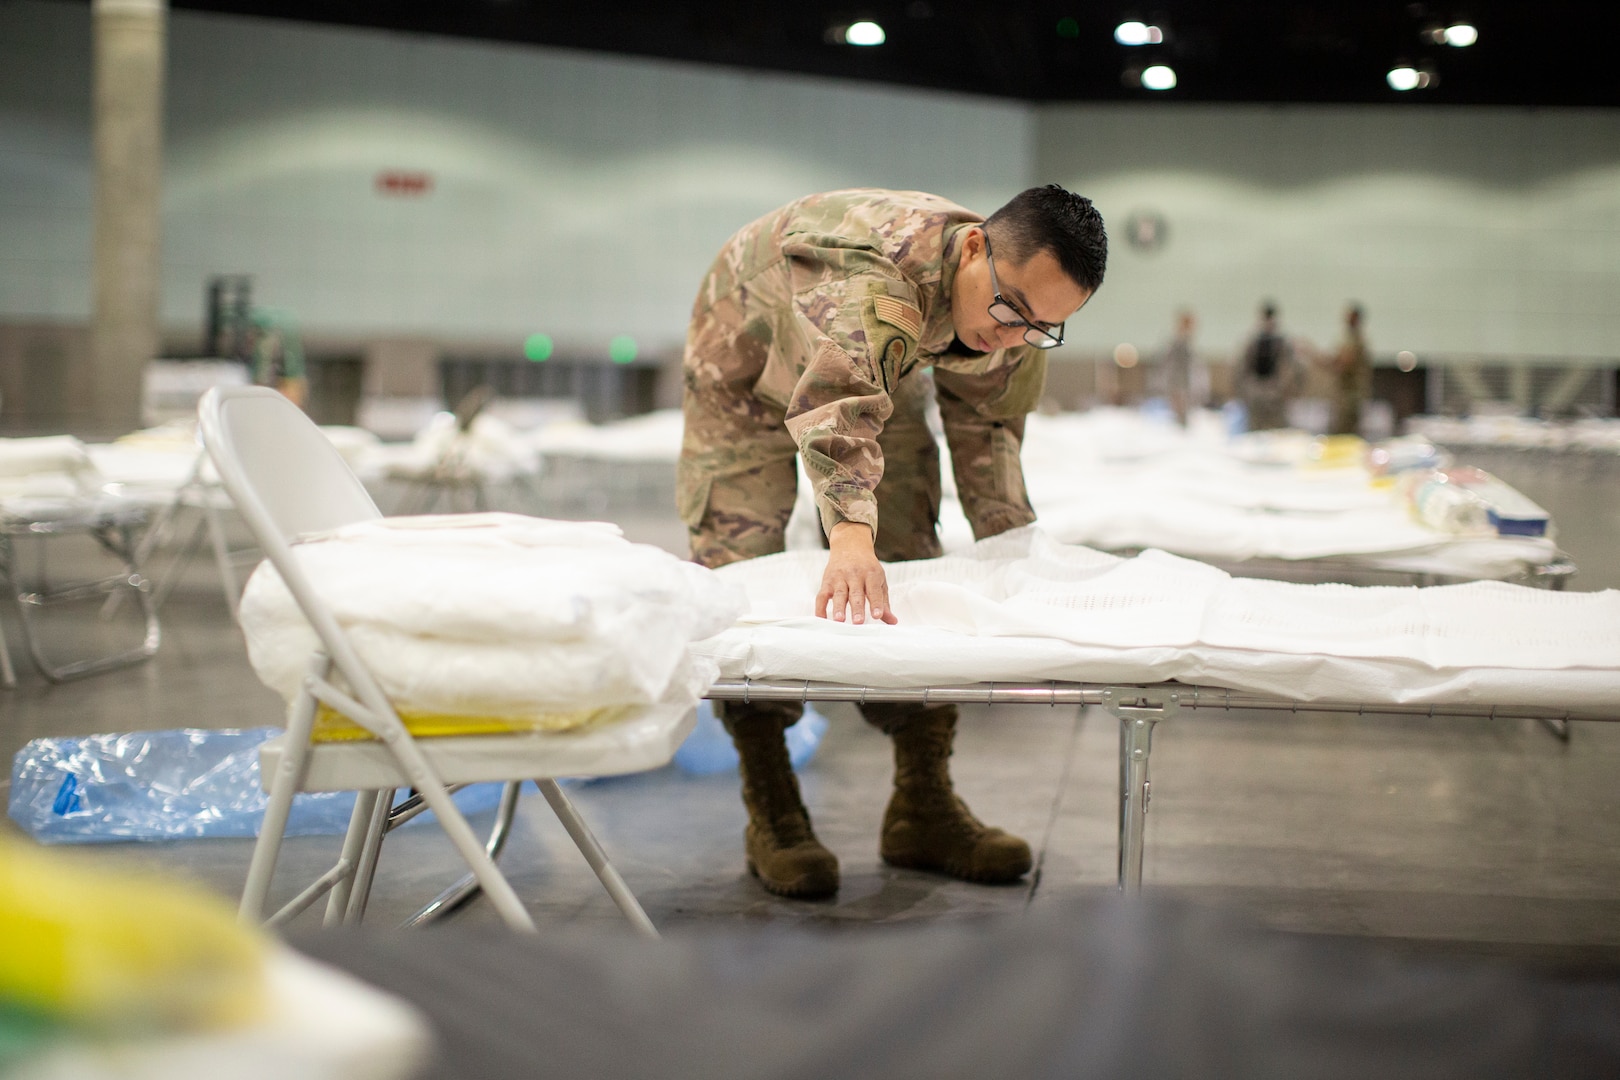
(168, 785)
(709, 749)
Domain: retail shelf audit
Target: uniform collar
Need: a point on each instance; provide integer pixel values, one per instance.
(941, 329)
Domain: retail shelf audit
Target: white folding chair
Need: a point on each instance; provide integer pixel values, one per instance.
(288, 480)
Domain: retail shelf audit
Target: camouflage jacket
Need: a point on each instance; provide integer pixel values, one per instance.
(805, 326)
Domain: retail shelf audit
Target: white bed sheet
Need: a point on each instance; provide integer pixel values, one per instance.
(1022, 607)
(1116, 479)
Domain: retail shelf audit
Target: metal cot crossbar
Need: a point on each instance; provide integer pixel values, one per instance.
(1138, 708)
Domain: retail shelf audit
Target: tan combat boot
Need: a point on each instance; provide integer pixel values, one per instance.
(783, 851)
(927, 827)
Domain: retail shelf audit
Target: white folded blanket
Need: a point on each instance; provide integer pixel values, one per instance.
(1023, 607)
(496, 615)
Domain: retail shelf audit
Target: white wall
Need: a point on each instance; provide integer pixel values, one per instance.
(574, 194)
(584, 195)
(1461, 230)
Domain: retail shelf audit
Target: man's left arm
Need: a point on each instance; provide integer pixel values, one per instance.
(982, 406)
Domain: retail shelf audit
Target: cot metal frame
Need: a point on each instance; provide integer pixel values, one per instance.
(1139, 708)
(211, 502)
(1554, 574)
(112, 528)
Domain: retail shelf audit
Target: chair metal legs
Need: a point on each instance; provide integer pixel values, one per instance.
(283, 786)
(611, 881)
(583, 838)
(347, 884)
(465, 889)
(337, 903)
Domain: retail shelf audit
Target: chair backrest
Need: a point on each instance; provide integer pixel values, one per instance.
(273, 459)
(287, 479)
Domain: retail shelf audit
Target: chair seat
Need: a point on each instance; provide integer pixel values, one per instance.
(647, 740)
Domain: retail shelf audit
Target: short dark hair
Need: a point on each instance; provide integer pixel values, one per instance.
(1052, 219)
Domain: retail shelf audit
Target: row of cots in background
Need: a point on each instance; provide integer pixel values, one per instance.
(1114, 479)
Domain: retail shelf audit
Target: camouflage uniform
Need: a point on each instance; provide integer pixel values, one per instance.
(806, 341)
(1352, 381)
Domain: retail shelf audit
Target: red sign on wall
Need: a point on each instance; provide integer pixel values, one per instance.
(404, 182)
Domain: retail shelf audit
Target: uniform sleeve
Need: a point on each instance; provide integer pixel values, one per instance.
(858, 331)
(983, 407)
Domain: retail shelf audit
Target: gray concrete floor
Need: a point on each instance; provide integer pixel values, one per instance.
(1471, 836)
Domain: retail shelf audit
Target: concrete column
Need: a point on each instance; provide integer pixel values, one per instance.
(127, 122)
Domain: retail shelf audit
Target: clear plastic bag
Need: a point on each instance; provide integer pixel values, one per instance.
(167, 785)
(709, 749)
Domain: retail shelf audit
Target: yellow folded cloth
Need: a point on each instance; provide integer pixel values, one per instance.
(332, 726)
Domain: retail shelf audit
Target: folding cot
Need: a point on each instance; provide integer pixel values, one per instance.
(49, 489)
(1155, 637)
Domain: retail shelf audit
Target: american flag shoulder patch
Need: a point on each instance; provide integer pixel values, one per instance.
(898, 313)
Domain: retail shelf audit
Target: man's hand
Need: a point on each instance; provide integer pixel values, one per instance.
(854, 578)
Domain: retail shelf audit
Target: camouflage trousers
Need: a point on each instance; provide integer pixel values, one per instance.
(746, 513)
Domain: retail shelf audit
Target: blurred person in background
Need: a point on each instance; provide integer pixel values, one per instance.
(1267, 376)
(1350, 371)
(1184, 381)
(278, 354)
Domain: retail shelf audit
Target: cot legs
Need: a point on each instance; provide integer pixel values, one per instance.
(1137, 710)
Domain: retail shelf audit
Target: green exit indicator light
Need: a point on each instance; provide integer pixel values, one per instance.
(1068, 27)
(537, 347)
(622, 349)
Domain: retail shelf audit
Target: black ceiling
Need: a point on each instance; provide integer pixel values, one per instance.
(1552, 52)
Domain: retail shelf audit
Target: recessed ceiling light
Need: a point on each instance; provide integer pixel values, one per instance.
(1404, 76)
(1138, 33)
(1461, 35)
(864, 32)
(1159, 77)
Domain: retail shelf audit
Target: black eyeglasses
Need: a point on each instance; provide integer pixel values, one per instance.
(1007, 315)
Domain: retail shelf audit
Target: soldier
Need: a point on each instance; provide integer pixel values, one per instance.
(1350, 368)
(1266, 379)
(808, 339)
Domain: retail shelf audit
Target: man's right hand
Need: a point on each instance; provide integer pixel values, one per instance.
(854, 579)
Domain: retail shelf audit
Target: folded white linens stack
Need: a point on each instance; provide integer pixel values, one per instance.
(1022, 607)
(497, 615)
(47, 466)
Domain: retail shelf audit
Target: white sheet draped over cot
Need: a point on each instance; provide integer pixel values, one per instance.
(1022, 607)
(1116, 479)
